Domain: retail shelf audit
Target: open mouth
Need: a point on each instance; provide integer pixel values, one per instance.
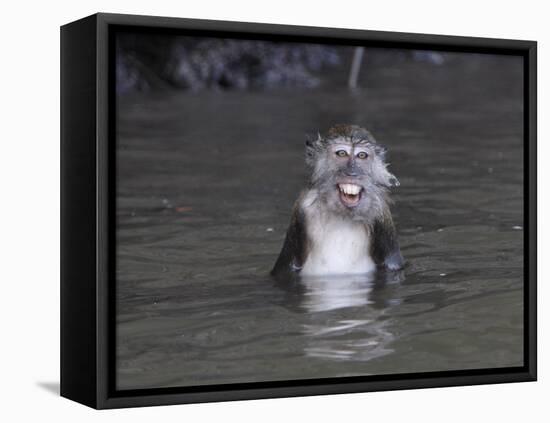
(350, 194)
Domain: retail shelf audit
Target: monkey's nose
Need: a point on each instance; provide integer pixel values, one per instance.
(351, 172)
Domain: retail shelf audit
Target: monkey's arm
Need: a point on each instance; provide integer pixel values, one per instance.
(385, 247)
(293, 254)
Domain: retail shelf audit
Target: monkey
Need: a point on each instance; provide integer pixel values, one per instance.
(341, 222)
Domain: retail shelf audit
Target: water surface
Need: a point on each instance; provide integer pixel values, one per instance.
(205, 186)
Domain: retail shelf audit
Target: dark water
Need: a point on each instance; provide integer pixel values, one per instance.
(206, 182)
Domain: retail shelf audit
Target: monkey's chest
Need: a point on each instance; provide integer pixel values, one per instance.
(337, 246)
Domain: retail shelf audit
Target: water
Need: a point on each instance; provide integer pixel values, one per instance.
(206, 182)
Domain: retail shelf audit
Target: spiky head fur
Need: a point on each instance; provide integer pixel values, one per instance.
(328, 171)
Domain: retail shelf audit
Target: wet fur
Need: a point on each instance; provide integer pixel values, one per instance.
(336, 244)
(319, 217)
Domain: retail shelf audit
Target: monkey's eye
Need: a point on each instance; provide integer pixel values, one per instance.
(341, 153)
(362, 155)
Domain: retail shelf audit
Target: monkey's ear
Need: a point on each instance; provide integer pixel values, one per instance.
(312, 146)
(313, 139)
(380, 151)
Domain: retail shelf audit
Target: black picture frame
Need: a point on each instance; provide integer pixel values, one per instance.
(87, 213)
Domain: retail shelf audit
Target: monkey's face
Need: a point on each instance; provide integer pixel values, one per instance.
(349, 172)
(351, 167)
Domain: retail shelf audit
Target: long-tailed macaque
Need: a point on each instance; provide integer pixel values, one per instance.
(341, 223)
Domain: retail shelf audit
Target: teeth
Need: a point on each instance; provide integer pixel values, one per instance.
(350, 189)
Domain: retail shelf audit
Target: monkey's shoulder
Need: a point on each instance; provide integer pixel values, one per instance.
(294, 251)
(385, 248)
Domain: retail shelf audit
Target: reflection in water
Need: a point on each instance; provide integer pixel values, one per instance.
(358, 340)
(323, 293)
(344, 336)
